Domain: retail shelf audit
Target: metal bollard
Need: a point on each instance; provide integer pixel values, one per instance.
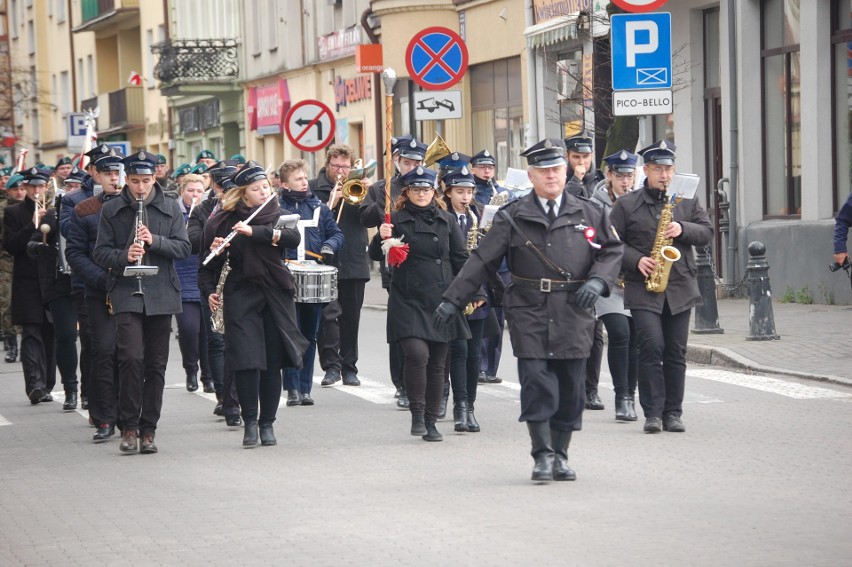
(761, 321)
(706, 315)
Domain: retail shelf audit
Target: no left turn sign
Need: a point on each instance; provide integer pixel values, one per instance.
(309, 125)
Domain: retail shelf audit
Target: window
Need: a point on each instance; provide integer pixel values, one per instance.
(782, 156)
(256, 30)
(13, 12)
(81, 93)
(31, 39)
(90, 74)
(65, 90)
(841, 39)
(149, 58)
(54, 93)
(497, 112)
(272, 24)
(60, 11)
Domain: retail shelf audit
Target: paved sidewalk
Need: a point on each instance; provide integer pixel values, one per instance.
(816, 340)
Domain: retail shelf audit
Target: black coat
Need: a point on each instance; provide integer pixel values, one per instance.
(197, 221)
(372, 213)
(116, 231)
(18, 227)
(436, 253)
(541, 324)
(636, 216)
(52, 282)
(352, 260)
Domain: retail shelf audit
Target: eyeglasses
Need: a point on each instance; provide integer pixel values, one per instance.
(661, 168)
(420, 190)
(624, 175)
(340, 167)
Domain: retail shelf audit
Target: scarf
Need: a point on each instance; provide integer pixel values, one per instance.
(296, 196)
(427, 214)
(656, 194)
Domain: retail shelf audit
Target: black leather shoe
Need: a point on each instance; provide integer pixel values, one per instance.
(233, 421)
(47, 397)
(11, 344)
(472, 424)
(432, 433)
(293, 398)
(84, 402)
(218, 409)
(148, 447)
(129, 442)
(306, 400)
(673, 424)
(331, 376)
(402, 402)
(250, 434)
(653, 425)
(36, 395)
(631, 410)
(351, 380)
(460, 416)
(593, 401)
(267, 435)
(482, 378)
(493, 380)
(621, 409)
(70, 401)
(397, 394)
(104, 432)
(208, 387)
(418, 424)
(191, 381)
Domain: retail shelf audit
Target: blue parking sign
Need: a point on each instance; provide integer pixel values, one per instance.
(641, 51)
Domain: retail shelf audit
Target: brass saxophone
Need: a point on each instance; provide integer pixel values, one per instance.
(217, 318)
(472, 243)
(663, 252)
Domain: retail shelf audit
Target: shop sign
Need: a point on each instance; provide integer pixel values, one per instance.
(368, 58)
(268, 106)
(352, 90)
(546, 10)
(341, 43)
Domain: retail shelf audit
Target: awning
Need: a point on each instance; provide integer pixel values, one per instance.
(552, 31)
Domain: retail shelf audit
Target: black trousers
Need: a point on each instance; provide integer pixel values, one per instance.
(262, 385)
(593, 363)
(464, 363)
(552, 391)
(64, 318)
(397, 362)
(192, 340)
(78, 298)
(37, 358)
(622, 353)
(103, 390)
(662, 360)
(142, 344)
(424, 374)
(337, 342)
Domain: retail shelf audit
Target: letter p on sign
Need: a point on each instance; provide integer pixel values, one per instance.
(635, 45)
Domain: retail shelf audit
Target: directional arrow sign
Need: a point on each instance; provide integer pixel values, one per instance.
(309, 125)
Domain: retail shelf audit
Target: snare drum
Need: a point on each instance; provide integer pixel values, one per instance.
(315, 283)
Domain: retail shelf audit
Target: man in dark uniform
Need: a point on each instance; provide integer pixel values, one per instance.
(484, 167)
(574, 258)
(19, 223)
(62, 169)
(142, 322)
(13, 192)
(341, 319)
(582, 175)
(206, 157)
(661, 319)
(162, 172)
(82, 237)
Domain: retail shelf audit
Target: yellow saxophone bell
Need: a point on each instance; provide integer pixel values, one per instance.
(437, 150)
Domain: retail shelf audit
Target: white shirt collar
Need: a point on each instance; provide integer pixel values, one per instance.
(543, 201)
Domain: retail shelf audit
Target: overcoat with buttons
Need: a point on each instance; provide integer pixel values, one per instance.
(636, 217)
(27, 306)
(436, 252)
(544, 325)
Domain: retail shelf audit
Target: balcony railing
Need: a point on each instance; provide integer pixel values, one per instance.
(124, 108)
(190, 61)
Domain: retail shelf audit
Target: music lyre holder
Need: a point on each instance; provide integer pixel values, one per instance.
(130, 271)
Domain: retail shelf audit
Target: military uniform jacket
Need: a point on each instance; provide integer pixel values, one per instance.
(198, 220)
(116, 231)
(545, 325)
(27, 307)
(82, 237)
(352, 260)
(436, 253)
(636, 216)
(52, 282)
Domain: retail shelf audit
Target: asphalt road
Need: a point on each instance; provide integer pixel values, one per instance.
(761, 477)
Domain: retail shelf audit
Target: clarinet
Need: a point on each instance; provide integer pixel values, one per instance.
(140, 213)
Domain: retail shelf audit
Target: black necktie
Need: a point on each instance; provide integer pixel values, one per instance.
(463, 223)
(551, 210)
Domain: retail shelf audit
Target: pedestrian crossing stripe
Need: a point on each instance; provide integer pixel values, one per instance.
(766, 384)
(4, 421)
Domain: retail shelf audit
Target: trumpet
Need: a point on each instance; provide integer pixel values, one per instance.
(353, 191)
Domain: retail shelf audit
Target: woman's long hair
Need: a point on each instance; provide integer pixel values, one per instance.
(403, 198)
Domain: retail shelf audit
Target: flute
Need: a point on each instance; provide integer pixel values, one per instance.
(189, 214)
(218, 250)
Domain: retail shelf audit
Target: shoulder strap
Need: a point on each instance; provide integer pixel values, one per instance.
(548, 263)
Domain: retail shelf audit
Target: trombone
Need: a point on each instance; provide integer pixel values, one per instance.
(352, 190)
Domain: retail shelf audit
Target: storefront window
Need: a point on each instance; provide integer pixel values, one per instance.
(842, 40)
(782, 162)
(496, 102)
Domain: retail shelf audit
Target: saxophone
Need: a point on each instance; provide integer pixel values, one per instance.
(663, 252)
(217, 319)
(472, 243)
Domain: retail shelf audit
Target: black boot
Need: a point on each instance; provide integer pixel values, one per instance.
(460, 416)
(561, 470)
(402, 402)
(472, 424)
(593, 401)
(418, 423)
(250, 435)
(542, 451)
(70, 401)
(191, 381)
(621, 410)
(267, 435)
(432, 432)
(631, 410)
(442, 409)
(11, 342)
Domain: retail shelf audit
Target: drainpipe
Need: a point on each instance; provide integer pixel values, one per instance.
(733, 174)
(378, 99)
(532, 96)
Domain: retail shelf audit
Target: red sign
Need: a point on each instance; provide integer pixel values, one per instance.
(352, 90)
(436, 58)
(639, 5)
(309, 125)
(341, 43)
(268, 106)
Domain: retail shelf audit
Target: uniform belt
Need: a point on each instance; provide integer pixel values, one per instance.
(547, 285)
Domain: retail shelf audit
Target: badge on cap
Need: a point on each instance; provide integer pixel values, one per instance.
(413, 143)
(105, 149)
(394, 141)
(419, 170)
(663, 145)
(464, 170)
(141, 155)
(33, 171)
(486, 154)
(547, 144)
(623, 155)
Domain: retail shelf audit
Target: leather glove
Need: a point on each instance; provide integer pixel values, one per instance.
(589, 292)
(327, 255)
(444, 314)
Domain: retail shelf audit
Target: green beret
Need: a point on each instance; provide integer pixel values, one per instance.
(161, 159)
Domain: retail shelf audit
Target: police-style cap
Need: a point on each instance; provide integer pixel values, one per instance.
(204, 154)
(454, 161)
(182, 169)
(580, 144)
(549, 152)
(223, 169)
(661, 152)
(14, 181)
(199, 168)
(239, 158)
(418, 177)
(459, 178)
(77, 175)
(140, 163)
(251, 172)
(483, 158)
(63, 161)
(399, 141)
(622, 162)
(109, 161)
(413, 150)
(37, 176)
(98, 151)
(161, 159)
